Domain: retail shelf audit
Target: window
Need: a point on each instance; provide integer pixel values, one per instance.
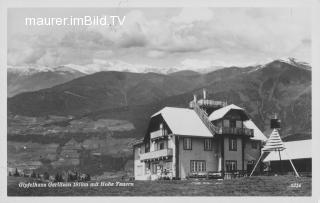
(207, 144)
(161, 145)
(231, 165)
(239, 124)
(147, 167)
(147, 147)
(156, 167)
(226, 123)
(187, 143)
(254, 145)
(197, 166)
(232, 123)
(232, 144)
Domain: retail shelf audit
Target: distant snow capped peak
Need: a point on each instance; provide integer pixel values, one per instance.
(117, 65)
(72, 68)
(28, 69)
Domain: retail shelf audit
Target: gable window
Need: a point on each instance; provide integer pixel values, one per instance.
(187, 143)
(231, 165)
(232, 144)
(239, 124)
(197, 166)
(207, 144)
(226, 123)
(254, 145)
(232, 123)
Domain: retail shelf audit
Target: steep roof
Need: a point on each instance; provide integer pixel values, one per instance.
(220, 113)
(257, 134)
(294, 150)
(274, 142)
(184, 121)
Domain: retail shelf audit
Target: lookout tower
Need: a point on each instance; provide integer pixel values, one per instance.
(208, 105)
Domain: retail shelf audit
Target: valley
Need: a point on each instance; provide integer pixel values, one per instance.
(94, 119)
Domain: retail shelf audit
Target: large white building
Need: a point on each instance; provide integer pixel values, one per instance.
(210, 136)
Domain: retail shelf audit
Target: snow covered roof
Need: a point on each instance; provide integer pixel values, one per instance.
(220, 113)
(184, 121)
(257, 134)
(294, 150)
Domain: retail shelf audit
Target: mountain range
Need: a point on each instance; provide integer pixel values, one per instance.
(276, 87)
(113, 108)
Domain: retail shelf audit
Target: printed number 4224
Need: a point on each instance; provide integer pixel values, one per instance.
(295, 185)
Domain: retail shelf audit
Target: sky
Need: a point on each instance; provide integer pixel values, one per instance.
(192, 38)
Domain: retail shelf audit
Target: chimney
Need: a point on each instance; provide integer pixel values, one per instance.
(195, 98)
(204, 94)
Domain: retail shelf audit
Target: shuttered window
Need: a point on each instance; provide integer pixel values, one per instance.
(232, 144)
(207, 144)
(187, 143)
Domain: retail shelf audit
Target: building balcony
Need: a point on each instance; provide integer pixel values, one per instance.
(208, 102)
(160, 154)
(158, 134)
(235, 131)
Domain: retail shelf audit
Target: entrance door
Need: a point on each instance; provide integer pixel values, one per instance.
(250, 166)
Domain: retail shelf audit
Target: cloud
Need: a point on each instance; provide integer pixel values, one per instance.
(195, 63)
(192, 37)
(127, 36)
(191, 15)
(155, 54)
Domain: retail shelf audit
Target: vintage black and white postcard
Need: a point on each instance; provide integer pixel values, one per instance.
(126, 100)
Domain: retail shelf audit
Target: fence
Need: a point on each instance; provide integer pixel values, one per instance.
(220, 174)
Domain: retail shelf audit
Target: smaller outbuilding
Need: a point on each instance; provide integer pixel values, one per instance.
(300, 152)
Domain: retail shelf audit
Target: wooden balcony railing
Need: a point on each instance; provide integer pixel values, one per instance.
(158, 134)
(235, 131)
(156, 154)
(207, 102)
